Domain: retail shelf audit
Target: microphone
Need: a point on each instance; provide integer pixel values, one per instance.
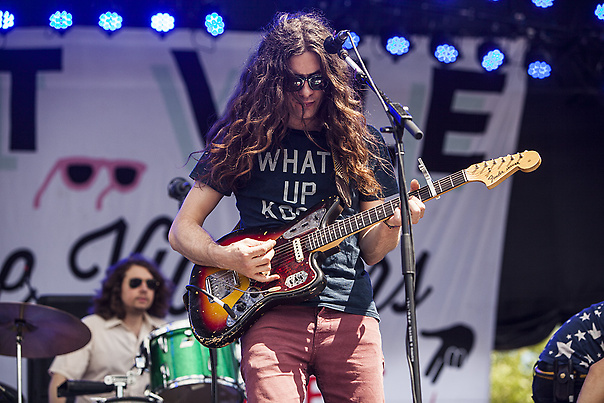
(178, 188)
(333, 44)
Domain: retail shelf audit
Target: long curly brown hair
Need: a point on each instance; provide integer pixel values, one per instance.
(108, 301)
(257, 114)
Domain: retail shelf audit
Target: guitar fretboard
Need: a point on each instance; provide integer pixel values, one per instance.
(341, 229)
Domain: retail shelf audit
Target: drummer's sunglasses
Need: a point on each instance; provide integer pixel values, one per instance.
(152, 284)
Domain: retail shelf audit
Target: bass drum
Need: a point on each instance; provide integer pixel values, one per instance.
(180, 367)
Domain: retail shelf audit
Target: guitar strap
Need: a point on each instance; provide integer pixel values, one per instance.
(342, 183)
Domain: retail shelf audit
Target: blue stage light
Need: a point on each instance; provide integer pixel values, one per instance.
(492, 60)
(162, 22)
(357, 39)
(539, 70)
(446, 53)
(599, 11)
(490, 55)
(214, 24)
(7, 20)
(110, 21)
(543, 3)
(61, 20)
(398, 45)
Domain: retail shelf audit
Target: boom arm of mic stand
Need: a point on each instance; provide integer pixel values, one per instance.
(398, 115)
(400, 119)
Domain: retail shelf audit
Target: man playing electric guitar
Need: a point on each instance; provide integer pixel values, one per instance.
(293, 114)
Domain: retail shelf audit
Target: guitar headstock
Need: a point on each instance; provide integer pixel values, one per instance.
(495, 171)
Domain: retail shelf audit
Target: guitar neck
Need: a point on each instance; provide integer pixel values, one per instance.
(341, 229)
(441, 186)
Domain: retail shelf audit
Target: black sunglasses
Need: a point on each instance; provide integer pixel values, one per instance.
(316, 82)
(152, 284)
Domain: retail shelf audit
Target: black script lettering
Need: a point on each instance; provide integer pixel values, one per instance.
(381, 274)
(116, 230)
(21, 261)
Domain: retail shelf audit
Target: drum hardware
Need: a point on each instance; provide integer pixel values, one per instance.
(120, 382)
(117, 383)
(181, 369)
(38, 331)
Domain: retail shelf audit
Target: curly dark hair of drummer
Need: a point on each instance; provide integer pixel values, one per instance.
(108, 302)
(256, 116)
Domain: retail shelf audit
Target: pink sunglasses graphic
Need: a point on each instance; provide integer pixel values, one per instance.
(79, 173)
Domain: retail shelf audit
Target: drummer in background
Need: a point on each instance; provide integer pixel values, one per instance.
(133, 298)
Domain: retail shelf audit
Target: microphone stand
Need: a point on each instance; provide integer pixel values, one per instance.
(400, 119)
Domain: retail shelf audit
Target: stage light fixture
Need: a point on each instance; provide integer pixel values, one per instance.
(444, 49)
(7, 20)
(543, 3)
(110, 21)
(538, 62)
(60, 20)
(539, 70)
(396, 45)
(214, 24)
(490, 56)
(162, 22)
(599, 11)
(356, 39)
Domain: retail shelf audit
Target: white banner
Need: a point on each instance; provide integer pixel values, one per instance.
(93, 127)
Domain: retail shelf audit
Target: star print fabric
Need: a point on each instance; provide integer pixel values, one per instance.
(579, 339)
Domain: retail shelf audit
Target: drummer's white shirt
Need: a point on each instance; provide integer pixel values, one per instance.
(111, 350)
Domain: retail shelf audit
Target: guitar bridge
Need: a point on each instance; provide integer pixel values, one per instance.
(221, 283)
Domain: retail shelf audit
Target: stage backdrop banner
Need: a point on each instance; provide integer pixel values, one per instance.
(94, 127)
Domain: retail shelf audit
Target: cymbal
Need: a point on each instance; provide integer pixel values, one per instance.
(45, 331)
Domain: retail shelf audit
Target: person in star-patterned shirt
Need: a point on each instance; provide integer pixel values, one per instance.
(572, 350)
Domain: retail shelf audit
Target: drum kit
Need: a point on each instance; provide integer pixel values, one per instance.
(181, 369)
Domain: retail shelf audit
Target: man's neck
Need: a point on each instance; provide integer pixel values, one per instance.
(304, 124)
(134, 321)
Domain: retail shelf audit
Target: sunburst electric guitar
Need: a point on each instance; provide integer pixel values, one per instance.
(223, 304)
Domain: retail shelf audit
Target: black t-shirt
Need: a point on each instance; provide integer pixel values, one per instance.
(290, 180)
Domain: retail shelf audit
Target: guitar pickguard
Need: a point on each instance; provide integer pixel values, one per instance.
(308, 223)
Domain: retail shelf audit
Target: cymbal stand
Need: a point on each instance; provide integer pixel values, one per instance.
(19, 340)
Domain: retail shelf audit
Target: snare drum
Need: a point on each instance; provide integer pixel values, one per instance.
(180, 367)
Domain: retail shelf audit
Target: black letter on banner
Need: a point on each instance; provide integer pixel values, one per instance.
(197, 89)
(9, 265)
(442, 119)
(151, 229)
(118, 227)
(24, 64)
(380, 274)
